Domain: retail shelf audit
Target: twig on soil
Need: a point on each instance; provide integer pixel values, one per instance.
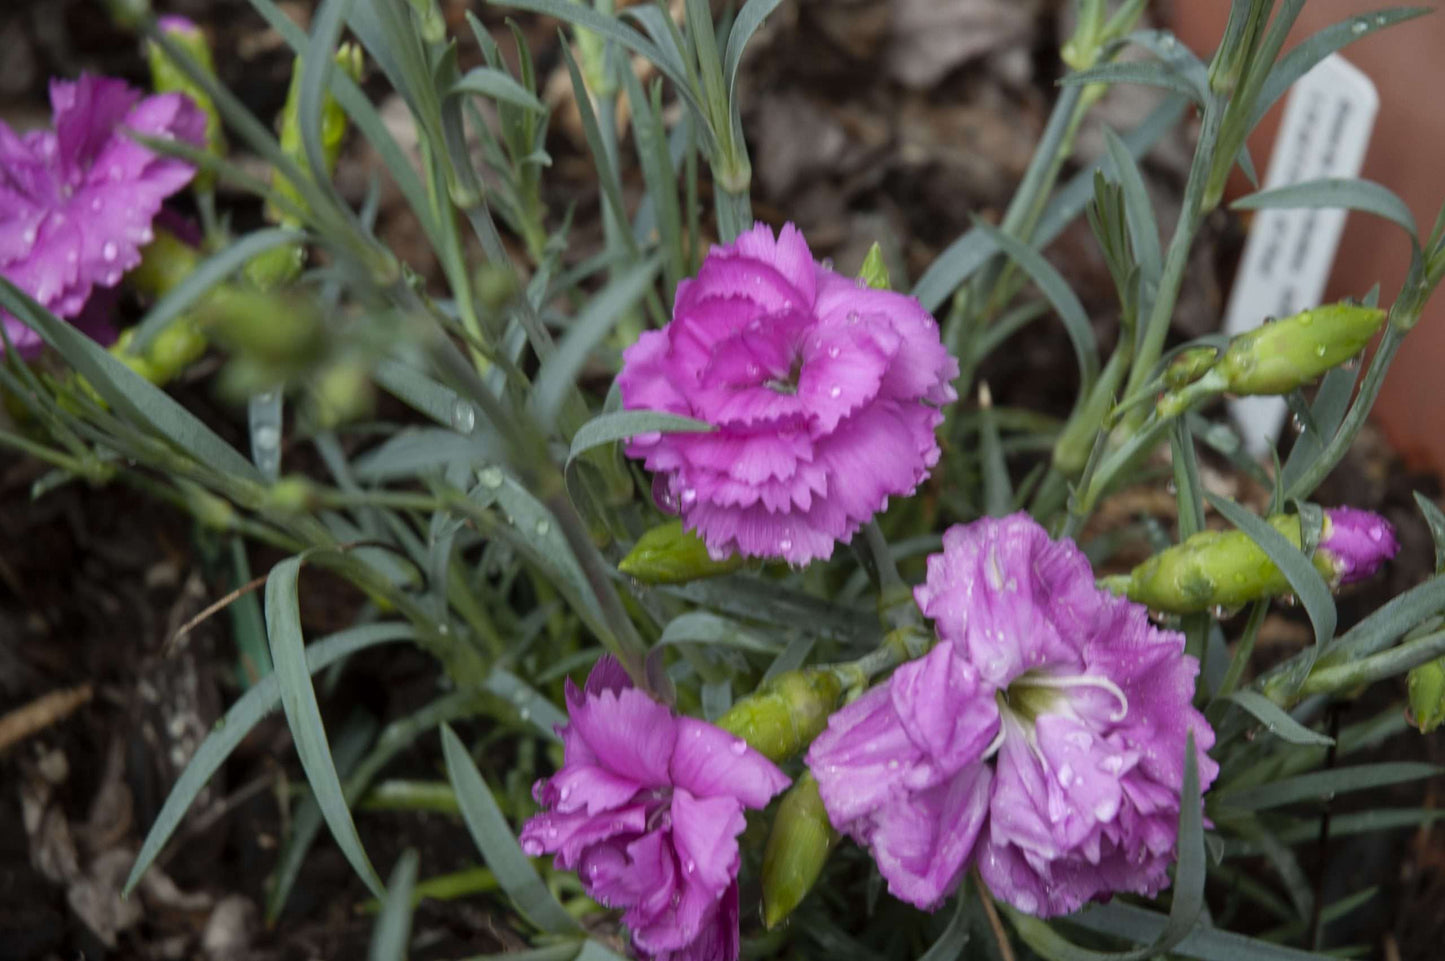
(210, 611)
(32, 718)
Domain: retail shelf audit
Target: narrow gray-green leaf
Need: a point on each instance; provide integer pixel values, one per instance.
(973, 249)
(1066, 303)
(700, 627)
(745, 24)
(950, 944)
(1311, 588)
(237, 722)
(1304, 56)
(1207, 944)
(124, 389)
(392, 935)
(1435, 521)
(1276, 721)
(303, 715)
(488, 82)
(317, 65)
(497, 843)
(1149, 73)
(1336, 193)
(607, 428)
(559, 373)
(1323, 785)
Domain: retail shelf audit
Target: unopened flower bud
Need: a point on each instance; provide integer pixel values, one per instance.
(783, 716)
(1356, 543)
(1279, 357)
(1227, 569)
(164, 263)
(168, 77)
(875, 272)
(292, 494)
(341, 393)
(176, 348)
(1427, 695)
(797, 849)
(1189, 366)
(670, 555)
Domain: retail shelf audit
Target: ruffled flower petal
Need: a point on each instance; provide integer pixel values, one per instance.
(824, 394)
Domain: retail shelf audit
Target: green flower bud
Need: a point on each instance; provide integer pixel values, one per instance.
(333, 127)
(164, 263)
(271, 329)
(783, 716)
(797, 849)
(168, 77)
(1289, 353)
(176, 348)
(1427, 695)
(341, 393)
(1214, 569)
(875, 271)
(208, 509)
(1189, 366)
(292, 494)
(670, 555)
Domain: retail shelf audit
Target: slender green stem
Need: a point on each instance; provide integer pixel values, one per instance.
(734, 212)
(1156, 329)
(1243, 650)
(1377, 667)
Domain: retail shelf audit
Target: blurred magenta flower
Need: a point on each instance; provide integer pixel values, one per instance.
(647, 809)
(77, 202)
(825, 394)
(1356, 543)
(1043, 738)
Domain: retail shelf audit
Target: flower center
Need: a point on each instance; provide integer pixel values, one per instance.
(1035, 693)
(788, 384)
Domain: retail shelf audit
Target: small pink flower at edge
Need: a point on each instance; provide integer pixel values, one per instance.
(77, 201)
(647, 809)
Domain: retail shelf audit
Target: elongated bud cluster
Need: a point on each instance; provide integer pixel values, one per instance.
(281, 265)
(1275, 358)
(1227, 569)
(797, 849)
(168, 77)
(670, 555)
(783, 716)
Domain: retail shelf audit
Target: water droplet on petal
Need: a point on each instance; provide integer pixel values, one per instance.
(689, 497)
(785, 545)
(738, 746)
(1066, 776)
(853, 317)
(109, 251)
(689, 866)
(833, 351)
(97, 205)
(835, 391)
(1377, 534)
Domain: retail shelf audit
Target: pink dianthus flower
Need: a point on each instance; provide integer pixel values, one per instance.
(1042, 738)
(824, 394)
(647, 809)
(77, 202)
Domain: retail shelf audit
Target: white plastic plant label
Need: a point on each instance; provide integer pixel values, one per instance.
(1328, 118)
